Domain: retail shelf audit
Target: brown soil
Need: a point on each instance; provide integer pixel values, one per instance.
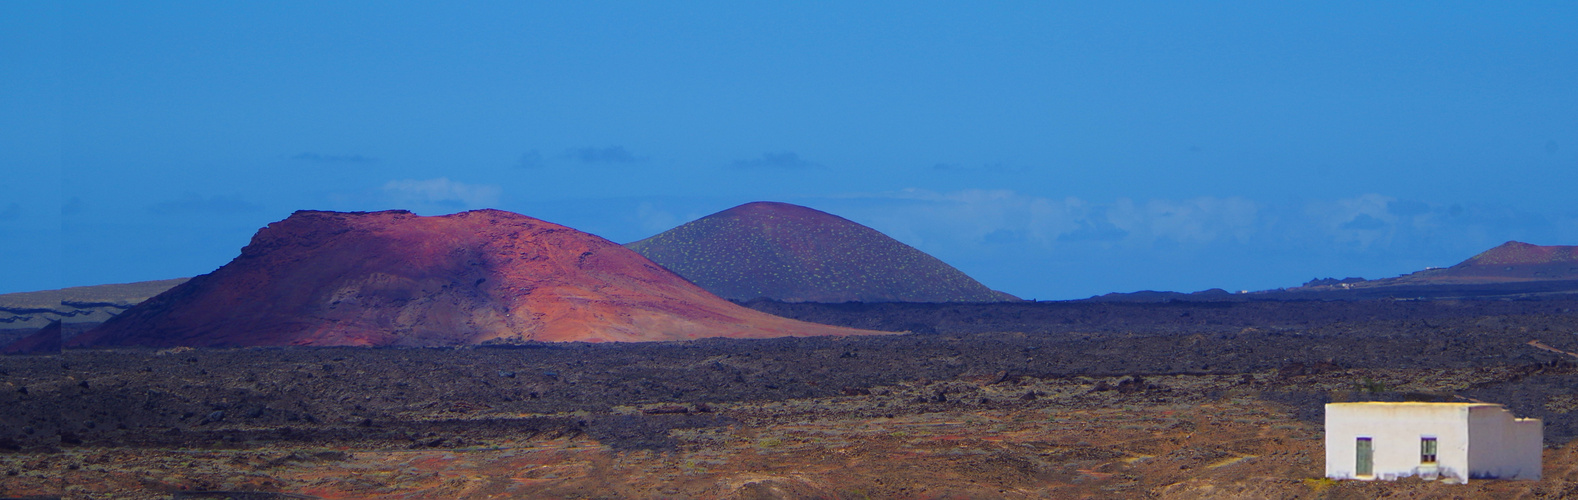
(1081, 400)
(1183, 436)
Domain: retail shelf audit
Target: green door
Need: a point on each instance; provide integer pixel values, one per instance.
(1364, 465)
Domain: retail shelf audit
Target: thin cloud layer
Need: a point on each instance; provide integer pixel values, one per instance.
(985, 168)
(441, 192)
(786, 160)
(610, 154)
(194, 204)
(1073, 247)
(655, 220)
(971, 220)
(1360, 222)
(529, 159)
(320, 158)
(999, 216)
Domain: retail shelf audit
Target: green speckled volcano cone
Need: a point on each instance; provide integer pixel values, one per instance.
(796, 254)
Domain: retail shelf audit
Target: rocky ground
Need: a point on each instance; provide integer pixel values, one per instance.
(1181, 436)
(1199, 401)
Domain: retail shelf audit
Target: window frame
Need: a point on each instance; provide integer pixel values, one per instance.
(1429, 450)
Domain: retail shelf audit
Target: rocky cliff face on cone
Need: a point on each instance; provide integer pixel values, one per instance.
(793, 253)
(395, 278)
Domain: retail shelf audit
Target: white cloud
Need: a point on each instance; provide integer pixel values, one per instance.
(1362, 221)
(1365, 223)
(984, 217)
(1197, 220)
(193, 203)
(442, 192)
(1024, 242)
(655, 220)
(785, 160)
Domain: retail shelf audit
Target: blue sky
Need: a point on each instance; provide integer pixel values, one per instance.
(1050, 150)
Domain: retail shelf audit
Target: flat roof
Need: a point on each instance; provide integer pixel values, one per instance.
(1409, 403)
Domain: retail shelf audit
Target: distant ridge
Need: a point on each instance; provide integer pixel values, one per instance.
(46, 340)
(1212, 295)
(1511, 270)
(1510, 262)
(79, 304)
(1517, 253)
(397, 279)
(792, 253)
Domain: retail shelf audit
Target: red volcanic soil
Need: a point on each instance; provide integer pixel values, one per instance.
(395, 278)
(1512, 269)
(1512, 261)
(45, 341)
(793, 253)
(1514, 253)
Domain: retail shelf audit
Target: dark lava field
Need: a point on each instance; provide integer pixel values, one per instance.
(75, 413)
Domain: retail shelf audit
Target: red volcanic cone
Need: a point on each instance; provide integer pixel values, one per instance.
(1517, 253)
(395, 278)
(793, 253)
(44, 341)
(1510, 262)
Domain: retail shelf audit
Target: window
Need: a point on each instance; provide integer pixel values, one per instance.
(1427, 450)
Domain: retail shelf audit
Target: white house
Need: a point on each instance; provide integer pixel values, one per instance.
(1451, 441)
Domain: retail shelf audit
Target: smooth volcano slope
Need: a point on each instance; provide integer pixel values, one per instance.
(1513, 269)
(395, 278)
(44, 341)
(793, 253)
(1511, 262)
(1515, 260)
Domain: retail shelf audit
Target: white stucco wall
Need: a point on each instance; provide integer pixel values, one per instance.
(1531, 448)
(1503, 447)
(1395, 430)
(1473, 440)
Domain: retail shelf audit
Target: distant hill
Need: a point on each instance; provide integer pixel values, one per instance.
(1212, 295)
(1513, 269)
(1512, 261)
(792, 253)
(397, 279)
(82, 304)
(46, 340)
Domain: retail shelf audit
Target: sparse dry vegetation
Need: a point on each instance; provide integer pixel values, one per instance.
(1072, 409)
